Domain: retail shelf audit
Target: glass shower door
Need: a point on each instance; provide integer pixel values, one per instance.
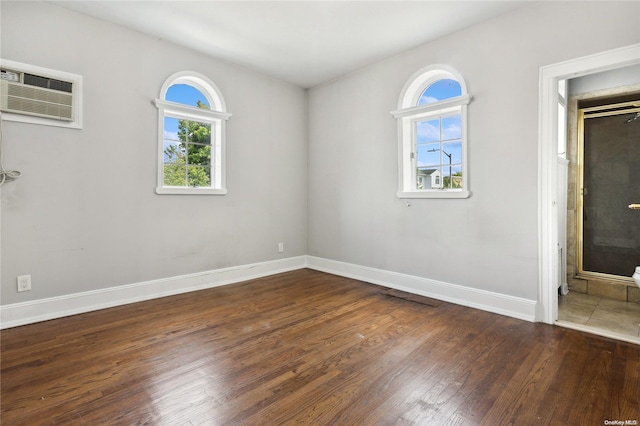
(610, 187)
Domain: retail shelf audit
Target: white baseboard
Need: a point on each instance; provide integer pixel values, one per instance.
(57, 307)
(498, 303)
(17, 314)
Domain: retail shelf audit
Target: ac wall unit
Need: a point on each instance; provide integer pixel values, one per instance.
(39, 93)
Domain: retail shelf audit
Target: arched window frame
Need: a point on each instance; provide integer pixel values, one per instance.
(409, 113)
(217, 116)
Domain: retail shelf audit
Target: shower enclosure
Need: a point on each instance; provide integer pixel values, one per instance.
(608, 187)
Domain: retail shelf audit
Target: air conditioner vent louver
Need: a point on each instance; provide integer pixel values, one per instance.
(22, 99)
(47, 83)
(49, 96)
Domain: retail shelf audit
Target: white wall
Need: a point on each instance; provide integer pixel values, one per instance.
(489, 241)
(626, 76)
(85, 216)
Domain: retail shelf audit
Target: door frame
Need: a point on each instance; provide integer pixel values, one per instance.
(549, 77)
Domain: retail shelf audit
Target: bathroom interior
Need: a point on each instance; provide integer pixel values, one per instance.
(599, 171)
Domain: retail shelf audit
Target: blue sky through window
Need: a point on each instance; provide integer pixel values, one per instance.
(185, 94)
(444, 128)
(440, 90)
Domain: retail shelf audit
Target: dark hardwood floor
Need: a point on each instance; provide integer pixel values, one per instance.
(311, 348)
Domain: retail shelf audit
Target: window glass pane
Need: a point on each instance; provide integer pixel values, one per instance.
(187, 95)
(171, 128)
(428, 155)
(428, 178)
(452, 177)
(199, 176)
(193, 131)
(452, 151)
(174, 152)
(428, 131)
(440, 90)
(452, 127)
(199, 154)
(175, 175)
(187, 153)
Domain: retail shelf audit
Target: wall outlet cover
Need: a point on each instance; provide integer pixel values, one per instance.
(24, 282)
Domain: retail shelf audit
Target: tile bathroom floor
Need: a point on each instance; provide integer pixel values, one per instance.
(600, 313)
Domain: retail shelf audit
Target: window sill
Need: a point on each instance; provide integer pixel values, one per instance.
(434, 194)
(190, 191)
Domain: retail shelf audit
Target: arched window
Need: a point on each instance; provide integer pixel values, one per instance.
(191, 136)
(432, 124)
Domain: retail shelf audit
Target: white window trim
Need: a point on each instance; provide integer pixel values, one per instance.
(217, 115)
(408, 113)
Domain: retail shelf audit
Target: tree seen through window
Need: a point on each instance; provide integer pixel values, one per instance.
(187, 145)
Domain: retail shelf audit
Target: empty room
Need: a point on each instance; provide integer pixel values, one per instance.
(320, 212)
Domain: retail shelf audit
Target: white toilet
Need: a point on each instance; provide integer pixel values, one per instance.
(636, 276)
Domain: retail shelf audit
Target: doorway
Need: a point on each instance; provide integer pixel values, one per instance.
(550, 76)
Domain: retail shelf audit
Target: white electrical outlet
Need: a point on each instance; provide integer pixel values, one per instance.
(280, 247)
(24, 283)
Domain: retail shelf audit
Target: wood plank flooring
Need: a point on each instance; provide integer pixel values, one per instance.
(311, 348)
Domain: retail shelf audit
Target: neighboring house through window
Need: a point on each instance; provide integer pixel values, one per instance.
(432, 121)
(191, 136)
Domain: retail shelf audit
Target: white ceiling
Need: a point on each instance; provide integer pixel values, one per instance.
(303, 42)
